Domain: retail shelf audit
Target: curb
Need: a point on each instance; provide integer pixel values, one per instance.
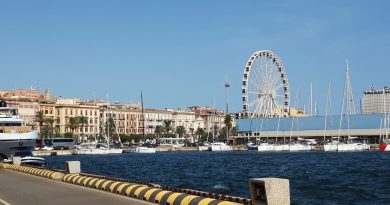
(142, 192)
(34, 171)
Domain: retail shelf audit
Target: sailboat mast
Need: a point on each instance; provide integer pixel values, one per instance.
(385, 111)
(143, 117)
(311, 98)
(326, 111)
(94, 112)
(108, 122)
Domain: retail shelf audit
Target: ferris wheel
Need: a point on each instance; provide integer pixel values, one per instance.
(265, 90)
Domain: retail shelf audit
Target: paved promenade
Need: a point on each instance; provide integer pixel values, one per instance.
(20, 188)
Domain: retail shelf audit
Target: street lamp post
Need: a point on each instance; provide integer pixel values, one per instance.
(227, 85)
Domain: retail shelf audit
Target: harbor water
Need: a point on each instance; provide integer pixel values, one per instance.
(315, 177)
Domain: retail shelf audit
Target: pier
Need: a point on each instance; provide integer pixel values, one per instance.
(21, 188)
(73, 187)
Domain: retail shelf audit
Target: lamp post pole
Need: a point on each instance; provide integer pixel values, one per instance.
(227, 107)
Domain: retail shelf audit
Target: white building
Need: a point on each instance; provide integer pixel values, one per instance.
(376, 101)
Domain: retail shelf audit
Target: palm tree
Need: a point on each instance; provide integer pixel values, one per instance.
(50, 125)
(180, 130)
(228, 123)
(167, 126)
(199, 132)
(110, 127)
(40, 119)
(158, 131)
(82, 120)
(73, 124)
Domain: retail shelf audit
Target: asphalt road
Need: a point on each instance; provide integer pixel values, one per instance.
(20, 188)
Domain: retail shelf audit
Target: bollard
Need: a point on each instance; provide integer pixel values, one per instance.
(16, 160)
(269, 191)
(72, 167)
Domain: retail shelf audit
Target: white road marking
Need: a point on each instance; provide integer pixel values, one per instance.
(4, 202)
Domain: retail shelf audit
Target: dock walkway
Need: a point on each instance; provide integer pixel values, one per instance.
(20, 188)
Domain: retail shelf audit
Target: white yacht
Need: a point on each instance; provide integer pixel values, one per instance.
(204, 147)
(143, 150)
(300, 147)
(262, 147)
(16, 139)
(96, 149)
(331, 146)
(345, 147)
(220, 146)
(281, 147)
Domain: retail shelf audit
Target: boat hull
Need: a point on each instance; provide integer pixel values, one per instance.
(265, 147)
(204, 148)
(330, 147)
(143, 150)
(17, 144)
(384, 147)
(352, 147)
(300, 147)
(220, 148)
(97, 151)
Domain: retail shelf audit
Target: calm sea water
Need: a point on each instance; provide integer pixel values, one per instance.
(315, 177)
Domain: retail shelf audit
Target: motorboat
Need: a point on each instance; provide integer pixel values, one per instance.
(30, 161)
(281, 147)
(142, 149)
(220, 147)
(331, 146)
(204, 147)
(343, 147)
(262, 147)
(300, 147)
(96, 149)
(16, 139)
(33, 161)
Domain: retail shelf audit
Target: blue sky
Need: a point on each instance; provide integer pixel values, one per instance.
(179, 52)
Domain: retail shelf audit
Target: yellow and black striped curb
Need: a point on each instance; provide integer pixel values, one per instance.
(142, 192)
(35, 171)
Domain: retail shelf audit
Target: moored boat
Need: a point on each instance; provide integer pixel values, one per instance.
(16, 139)
(142, 149)
(220, 146)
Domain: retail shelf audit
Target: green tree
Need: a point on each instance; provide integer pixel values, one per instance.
(228, 124)
(82, 121)
(167, 126)
(222, 133)
(200, 133)
(73, 124)
(180, 130)
(158, 131)
(50, 126)
(110, 128)
(40, 119)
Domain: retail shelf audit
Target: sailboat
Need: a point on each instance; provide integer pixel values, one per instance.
(349, 144)
(332, 145)
(260, 145)
(142, 149)
(298, 145)
(99, 149)
(280, 147)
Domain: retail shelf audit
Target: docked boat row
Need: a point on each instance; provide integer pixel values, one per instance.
(215, 147)
(265, 147)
